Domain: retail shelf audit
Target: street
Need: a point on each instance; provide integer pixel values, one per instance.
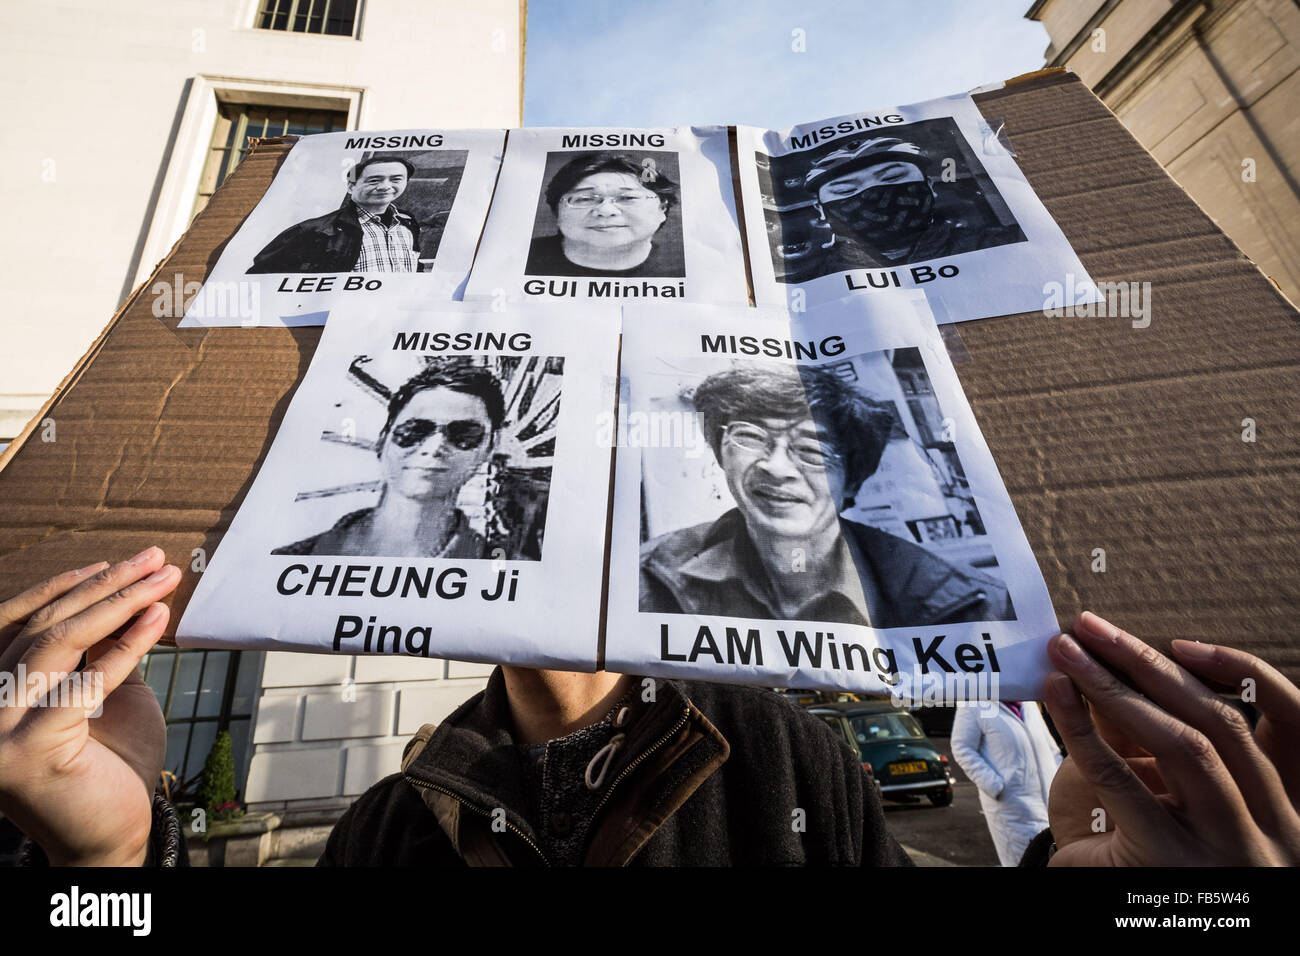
(956, 835)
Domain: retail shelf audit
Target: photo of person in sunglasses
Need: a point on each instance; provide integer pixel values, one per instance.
(442, 427)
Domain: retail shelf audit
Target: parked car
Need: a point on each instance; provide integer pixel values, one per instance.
(895, 750)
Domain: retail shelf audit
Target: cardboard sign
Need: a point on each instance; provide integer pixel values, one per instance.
(808, 502)
(436, 489)
(613, 215)
(356, 216)
(911, 197)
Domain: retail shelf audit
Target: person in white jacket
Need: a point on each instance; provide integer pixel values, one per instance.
(1007, 751)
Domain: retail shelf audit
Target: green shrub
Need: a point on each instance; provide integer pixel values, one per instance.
(217, 791)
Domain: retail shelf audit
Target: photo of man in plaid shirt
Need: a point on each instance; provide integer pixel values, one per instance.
(367, 233)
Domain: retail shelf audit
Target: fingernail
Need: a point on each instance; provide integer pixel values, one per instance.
(143, 556)
(1071, 649)
(1193, 649)
(97, 566)
(1097, 626)
(162, 574)
(151, 615)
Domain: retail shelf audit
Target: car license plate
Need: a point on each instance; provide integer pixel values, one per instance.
(914, 766)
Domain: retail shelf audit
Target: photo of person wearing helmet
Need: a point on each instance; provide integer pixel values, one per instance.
(889, 200)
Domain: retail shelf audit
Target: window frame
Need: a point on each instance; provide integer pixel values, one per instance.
(258, 10)
(171, 658)
(170, 214)
(237, 134)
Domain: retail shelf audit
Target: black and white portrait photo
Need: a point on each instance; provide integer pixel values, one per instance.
(462, 462)
(831, 494)
(389, 218)
(882, 198)
(355, 215)
(437, 487)
(925, 196)
(609, 213)
(805, 499)
(613, 214)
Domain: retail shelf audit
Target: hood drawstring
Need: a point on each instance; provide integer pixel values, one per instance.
(605, 755)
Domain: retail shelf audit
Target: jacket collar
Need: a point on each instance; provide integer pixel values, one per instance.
(922, 587)
(728, 553)
(349, 210)
(470, 767)
(915, 585)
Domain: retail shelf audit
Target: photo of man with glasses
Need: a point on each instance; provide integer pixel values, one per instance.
(441, 429)
(367, 233)
(609, 212)
(794, 444)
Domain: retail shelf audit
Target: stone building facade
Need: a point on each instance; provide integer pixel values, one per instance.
(1211, 88)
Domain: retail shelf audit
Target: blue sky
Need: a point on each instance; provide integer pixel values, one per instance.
(694, 62)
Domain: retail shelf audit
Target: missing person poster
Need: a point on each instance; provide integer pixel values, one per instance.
(613, 215)
(911, 197)
(437, 489)
(809, 503)
(356, 216)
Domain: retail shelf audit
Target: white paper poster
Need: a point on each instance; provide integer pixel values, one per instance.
(911, 197)
(809, 503)
(356, 216)
(437, 488)
(613, 215)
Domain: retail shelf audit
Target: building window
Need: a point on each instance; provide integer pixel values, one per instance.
(237, 123)
(329, 17)
(202, 693)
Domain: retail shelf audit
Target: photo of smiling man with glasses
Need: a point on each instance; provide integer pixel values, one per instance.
(610, 211)
(441, 429)
(367, 233)
(794, 445)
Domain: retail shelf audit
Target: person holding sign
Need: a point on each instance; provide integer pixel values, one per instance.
(1185, 780)
(607, 210)
(793, 443)
(441, 429)
(367, 233)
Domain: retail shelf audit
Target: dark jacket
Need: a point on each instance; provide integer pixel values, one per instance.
(328, 243)
(709, 775)
(463, 543)
(546, 258)
(713, 568)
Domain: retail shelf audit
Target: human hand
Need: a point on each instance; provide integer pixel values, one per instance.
(1180, 777)
(81, 787)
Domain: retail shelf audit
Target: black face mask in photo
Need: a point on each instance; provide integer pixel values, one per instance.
(464, 434)
(887, 216)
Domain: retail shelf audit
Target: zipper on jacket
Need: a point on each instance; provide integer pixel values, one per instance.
(479, 810)
(686, 715)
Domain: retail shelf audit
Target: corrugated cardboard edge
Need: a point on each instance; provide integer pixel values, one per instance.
(84, 362)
